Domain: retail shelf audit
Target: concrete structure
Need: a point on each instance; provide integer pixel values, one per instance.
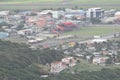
(98, 40)
(57, 67)
(69, 61)
(95, 13)
(117, 14)
(99, 60)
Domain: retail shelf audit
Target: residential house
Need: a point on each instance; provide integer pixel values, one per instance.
(117, 15)
(99, 60)
(70, 61)
(57, 67)
(99, 40)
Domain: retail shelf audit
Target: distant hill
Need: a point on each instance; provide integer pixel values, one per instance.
(65, 1)
(57, 4)
(29, 0)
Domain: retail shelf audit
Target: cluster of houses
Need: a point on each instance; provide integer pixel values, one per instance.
(57, 67)
(97, 51)
(55, 21)
(37, 26)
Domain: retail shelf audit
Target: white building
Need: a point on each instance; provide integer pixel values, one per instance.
(4, 13)
(95, 12)
(99, 60)
(117, 14)
(70, 61)
(57, 67)
(98, 40)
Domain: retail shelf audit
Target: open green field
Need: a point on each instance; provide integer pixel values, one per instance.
(96, 1)
(95, 30)
(83, 32)
(25, 1)
(37, 4)
(69, 1)
(32, 7)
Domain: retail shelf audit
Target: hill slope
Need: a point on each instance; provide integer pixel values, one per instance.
(18, 62)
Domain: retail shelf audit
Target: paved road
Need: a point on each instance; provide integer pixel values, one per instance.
(53, 42)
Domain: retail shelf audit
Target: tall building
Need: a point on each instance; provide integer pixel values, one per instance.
(95, 13)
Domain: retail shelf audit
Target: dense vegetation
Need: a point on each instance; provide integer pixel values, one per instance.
(17, 61)
(104, 74)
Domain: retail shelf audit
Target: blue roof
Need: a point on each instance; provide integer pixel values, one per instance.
(4, 34)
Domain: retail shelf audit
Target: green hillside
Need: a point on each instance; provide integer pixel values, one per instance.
(18, 62)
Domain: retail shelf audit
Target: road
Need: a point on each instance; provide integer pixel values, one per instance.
(53, 42)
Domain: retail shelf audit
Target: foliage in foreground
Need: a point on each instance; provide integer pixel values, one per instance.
(104, 74)
(18, 62)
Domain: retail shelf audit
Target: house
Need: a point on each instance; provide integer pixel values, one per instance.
(109, 13)
(66, 26)
(79, 14)
(40, 39)
(32, 42)
(4, 35)
(107, 53)
(70, 61)
(100, 40)
(109, 20)
(41, 22)
(99, 60)
(57, 67)
(72, 44)
(4, 13)
(117, 15)
(25, 32)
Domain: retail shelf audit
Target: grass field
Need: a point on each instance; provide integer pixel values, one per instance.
(83, 32)
(96, 1)
(70, 1)
(16, 39)
(107, 4)
(91, 31)
(25, 1)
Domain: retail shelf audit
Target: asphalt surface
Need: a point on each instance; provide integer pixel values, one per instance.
(53, 42)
